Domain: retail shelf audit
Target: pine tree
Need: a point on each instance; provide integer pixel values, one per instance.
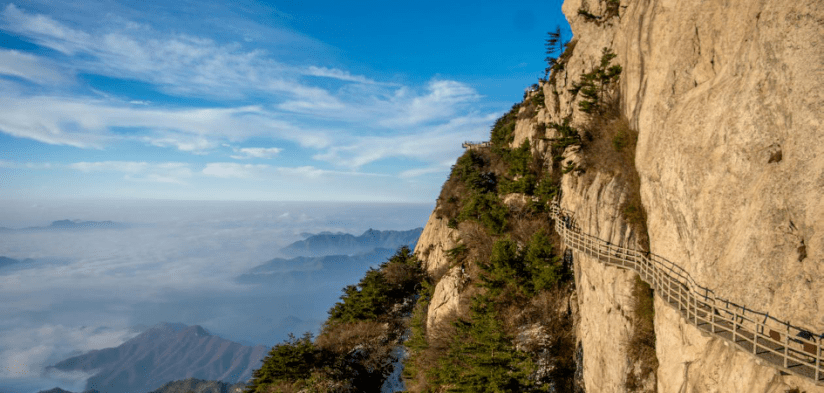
(554, 47)
(481, 357)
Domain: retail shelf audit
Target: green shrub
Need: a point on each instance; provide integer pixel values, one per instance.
(567, 136)
(545, 267)
(365, 301)
(539, 99)
(417, 342)
(468, 170)
(486, 209)
(503, 131)
(519, 160)
(294, 359)
(524, 185)
(481, 357)
(620, 140)
(546, 190)
(379, 290)
(593, 84)
(354, 351)
(505, 266)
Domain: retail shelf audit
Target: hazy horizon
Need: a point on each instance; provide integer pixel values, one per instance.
(87, 289)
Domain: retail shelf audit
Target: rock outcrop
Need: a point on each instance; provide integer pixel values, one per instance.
(727, 99)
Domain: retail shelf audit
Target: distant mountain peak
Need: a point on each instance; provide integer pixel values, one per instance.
(58, 390)
(198, 331)
(327, 243)
(163, 353)
(173, 326)
(80, 224)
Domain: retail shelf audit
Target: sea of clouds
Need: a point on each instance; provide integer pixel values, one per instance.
(177, 261)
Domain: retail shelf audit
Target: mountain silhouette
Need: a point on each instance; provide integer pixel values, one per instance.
(164, 353)
(327, 243)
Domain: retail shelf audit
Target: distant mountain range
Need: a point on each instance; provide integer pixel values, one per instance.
(327, 243)
(190, 385)
(62, 225)
(5, 261)
(304, 269)
(58, 390)
(166, 352)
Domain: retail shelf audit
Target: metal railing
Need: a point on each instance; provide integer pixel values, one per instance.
(778, 343)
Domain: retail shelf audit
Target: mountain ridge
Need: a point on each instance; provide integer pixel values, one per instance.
(327, 243)
(163, 353)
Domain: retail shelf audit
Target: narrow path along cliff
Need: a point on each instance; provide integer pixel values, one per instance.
(777, 342)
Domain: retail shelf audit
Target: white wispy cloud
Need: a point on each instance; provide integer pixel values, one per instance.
(25, 165)
(177, 63)
(165, 172)
(401, 107)
(29, 67)
(442, 101)
(439, 168)
(88, 123)
(335, 73)
(255, 152)
(432, 144)
(46, 31)
(189, 143)
(313, 172)
(228, 170)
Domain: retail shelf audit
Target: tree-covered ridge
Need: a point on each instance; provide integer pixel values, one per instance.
(354, 351)
(511, 332)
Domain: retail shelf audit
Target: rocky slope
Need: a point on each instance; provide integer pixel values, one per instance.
(726, 100)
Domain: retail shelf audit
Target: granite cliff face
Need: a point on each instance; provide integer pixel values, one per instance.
(726, 99)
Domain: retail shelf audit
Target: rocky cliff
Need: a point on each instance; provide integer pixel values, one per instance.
(717, 106)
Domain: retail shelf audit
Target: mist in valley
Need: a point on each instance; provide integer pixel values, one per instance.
(75, 290)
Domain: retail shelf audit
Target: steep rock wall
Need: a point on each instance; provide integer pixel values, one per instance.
(436, 239)
(727, 98)
(603, 292)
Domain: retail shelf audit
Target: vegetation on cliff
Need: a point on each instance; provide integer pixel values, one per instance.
(512, 332)
(355, 349)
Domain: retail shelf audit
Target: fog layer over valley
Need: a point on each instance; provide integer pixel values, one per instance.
(66, 292)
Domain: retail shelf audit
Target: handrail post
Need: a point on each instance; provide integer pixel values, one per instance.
(786, 345)
(818, 359)
(755, 339)
(734, 326)
(712, 317)
(691, 303)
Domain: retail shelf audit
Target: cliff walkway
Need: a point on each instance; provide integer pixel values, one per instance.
(773, 342)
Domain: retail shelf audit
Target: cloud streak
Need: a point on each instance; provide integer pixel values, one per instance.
(88, 123)
(29, 67)
(256, 152)
(168, 172)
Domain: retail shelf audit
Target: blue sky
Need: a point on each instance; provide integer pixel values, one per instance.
(249, 100)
